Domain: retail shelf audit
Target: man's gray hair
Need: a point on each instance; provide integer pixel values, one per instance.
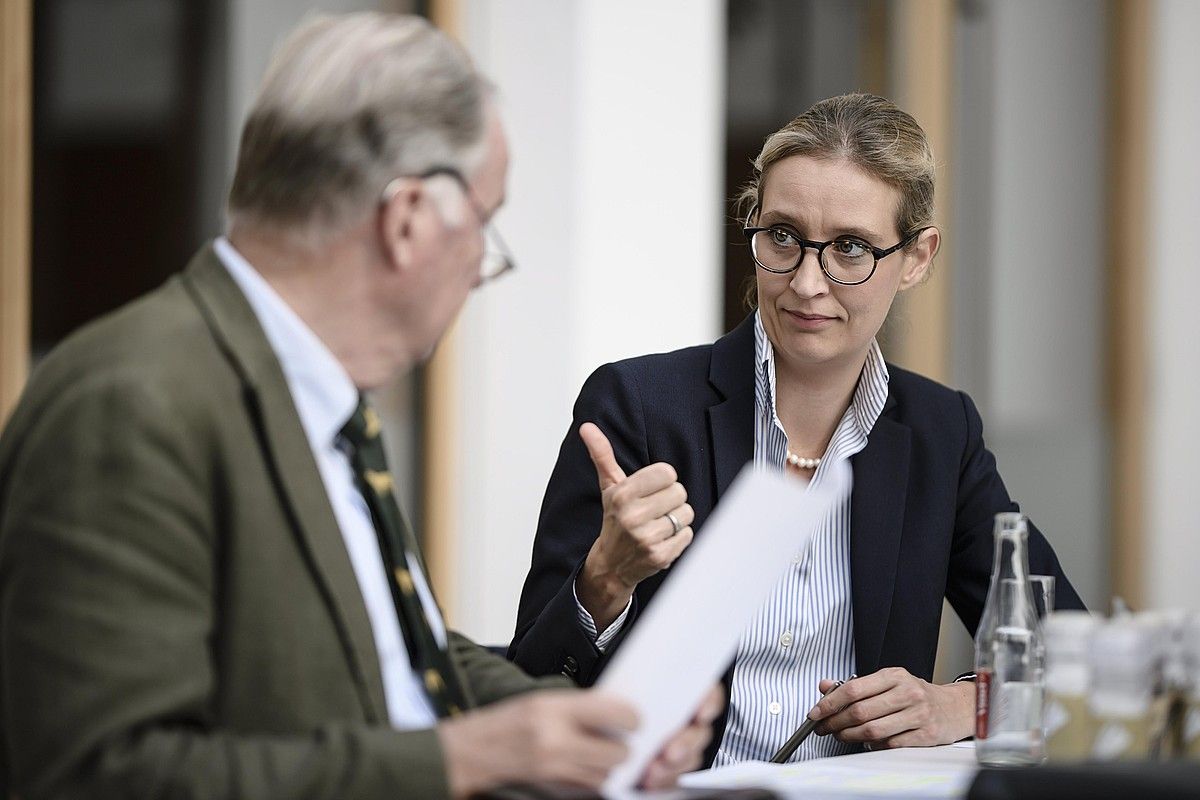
(349, 103)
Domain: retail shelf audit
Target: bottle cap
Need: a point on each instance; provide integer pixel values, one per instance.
(1123, 649)
(1067, 636)
(1067, 633)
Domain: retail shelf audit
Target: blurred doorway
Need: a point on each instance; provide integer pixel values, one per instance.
(119, 121)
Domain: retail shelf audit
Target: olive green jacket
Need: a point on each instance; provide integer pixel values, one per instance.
(179, 617)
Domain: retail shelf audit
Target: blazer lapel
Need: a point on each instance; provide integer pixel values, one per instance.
(876, 522)
(731, 421)
(285, 445)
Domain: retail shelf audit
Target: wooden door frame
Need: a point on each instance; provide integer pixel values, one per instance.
(16, 136)
(439, 429)
(1127, 347)
(923, 80)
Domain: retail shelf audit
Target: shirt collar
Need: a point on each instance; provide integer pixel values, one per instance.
(322, 390)
(869, 395)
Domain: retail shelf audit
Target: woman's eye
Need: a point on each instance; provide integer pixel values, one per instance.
(849, 248)
(781, 237)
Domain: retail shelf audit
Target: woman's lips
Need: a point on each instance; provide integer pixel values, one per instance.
(809, 322)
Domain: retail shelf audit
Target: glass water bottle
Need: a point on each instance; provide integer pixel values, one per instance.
(1009, 656)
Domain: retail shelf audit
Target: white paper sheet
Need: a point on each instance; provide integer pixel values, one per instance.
(689, 635)
(911, 773)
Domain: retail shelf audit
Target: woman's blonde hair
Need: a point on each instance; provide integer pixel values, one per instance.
(868, 131)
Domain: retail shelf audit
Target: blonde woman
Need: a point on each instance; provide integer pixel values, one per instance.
(839, 218)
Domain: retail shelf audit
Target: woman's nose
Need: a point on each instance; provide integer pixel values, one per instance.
(809, 279)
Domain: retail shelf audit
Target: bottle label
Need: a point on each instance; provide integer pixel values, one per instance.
(983, 701)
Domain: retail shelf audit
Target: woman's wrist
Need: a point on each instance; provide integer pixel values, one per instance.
(601, 591)
(964, 719)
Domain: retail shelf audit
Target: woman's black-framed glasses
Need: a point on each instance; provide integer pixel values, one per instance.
(847, 260)
(497, 258)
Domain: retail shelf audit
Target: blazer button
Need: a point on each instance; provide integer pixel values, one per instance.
(570, 667)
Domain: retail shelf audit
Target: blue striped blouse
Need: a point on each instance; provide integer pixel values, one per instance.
(805, 630)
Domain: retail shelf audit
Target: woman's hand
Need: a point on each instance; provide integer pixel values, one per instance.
(893, 708)
(636, 539)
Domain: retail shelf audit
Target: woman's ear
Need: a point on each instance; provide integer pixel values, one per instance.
(397, 220)
(918, 257)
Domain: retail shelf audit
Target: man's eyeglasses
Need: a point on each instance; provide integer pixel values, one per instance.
(847, 260)
(497, 259)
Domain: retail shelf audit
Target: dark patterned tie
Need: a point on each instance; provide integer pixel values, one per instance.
(399, 550)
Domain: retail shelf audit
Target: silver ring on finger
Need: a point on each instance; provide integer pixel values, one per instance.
(676, 526)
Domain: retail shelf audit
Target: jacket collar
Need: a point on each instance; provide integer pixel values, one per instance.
(877, 508)
(237, 332)
(876, 524)
(321, 389)
(731, 421)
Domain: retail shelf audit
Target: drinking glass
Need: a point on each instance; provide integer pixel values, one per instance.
(1042, 587)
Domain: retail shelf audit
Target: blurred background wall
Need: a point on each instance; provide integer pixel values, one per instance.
(1172, 519)
(1062, 300)
(614, 213)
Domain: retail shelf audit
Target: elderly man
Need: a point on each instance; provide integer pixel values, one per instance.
(206, 586)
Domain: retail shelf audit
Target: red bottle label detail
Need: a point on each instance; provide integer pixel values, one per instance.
(983, 701)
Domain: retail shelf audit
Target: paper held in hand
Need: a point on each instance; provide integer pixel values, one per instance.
(688, 636)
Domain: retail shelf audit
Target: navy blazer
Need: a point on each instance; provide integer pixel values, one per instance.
(925, 494)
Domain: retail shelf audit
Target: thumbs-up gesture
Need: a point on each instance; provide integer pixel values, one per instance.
(647, 524)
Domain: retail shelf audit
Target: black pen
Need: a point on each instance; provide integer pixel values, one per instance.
(802, 733)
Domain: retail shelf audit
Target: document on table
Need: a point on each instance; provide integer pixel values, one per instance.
(689, 635)
(910, 773)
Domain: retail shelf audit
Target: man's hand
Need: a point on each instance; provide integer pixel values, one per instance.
(685, 750)
(563, 737)
(893, 708)
(636, 538)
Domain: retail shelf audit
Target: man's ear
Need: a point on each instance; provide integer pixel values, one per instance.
(397, 221)
(918, 257)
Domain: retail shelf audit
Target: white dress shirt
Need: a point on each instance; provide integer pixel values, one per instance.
(325, 398)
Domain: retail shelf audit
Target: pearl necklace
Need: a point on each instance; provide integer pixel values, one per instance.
(799, 462)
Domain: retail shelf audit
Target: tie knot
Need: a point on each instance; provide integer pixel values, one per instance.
(363, 427)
